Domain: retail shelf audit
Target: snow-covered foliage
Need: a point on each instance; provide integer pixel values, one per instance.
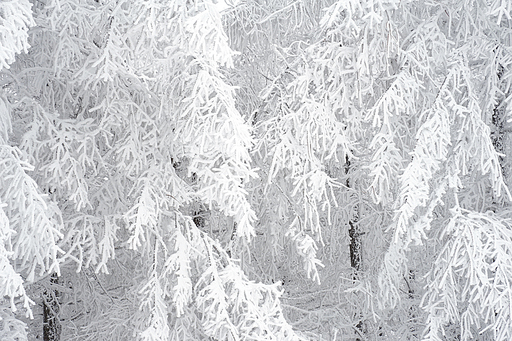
(124, 117)
(11, 329)
(199, 170)
(15, 21)
(407, 93)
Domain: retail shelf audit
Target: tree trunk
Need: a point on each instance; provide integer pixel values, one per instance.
(498, 121)
(51, 322)
(501, 134)
(356, 252)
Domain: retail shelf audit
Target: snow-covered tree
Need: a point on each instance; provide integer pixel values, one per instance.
(168, 167)
(124, 125)
(414, 97)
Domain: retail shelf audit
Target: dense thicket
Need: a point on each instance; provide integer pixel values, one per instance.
(256, 170)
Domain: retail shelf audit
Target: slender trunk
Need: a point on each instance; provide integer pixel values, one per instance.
(51, 323)
(501, 133)
(356, 252)
(409, 280)
(356, 257)
(498, 121)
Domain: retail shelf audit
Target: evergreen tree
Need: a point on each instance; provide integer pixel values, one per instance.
(176, 164)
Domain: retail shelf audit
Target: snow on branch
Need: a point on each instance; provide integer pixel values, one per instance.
(179, 264)
(82, 30)
(384, 167)
(5, 120)
(306, 248)
(81, 240)
(65, 150)
(428, 157)
(144, 214)
(156, 192)
(248, 310)
(15, 21)
(474, 138)
(255, 306)
(396, 102)
(500, 9)
(197, 276)
(472, 275)
(207, 36)
(30, 215)
(11, 283)
(213, 301)
(154, 303)
(398, 99)
(433, 140)
(11, 329)
(217, 141)
(305, 134)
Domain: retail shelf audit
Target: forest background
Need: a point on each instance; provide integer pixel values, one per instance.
(255, 170)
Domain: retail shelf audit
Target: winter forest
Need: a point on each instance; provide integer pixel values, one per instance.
(255, 170)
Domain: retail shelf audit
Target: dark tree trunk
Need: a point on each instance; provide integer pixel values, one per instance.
(498, 122)
(501, 133)
(354, 233)
(51, 322)
(356, 257)
(356, 251)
